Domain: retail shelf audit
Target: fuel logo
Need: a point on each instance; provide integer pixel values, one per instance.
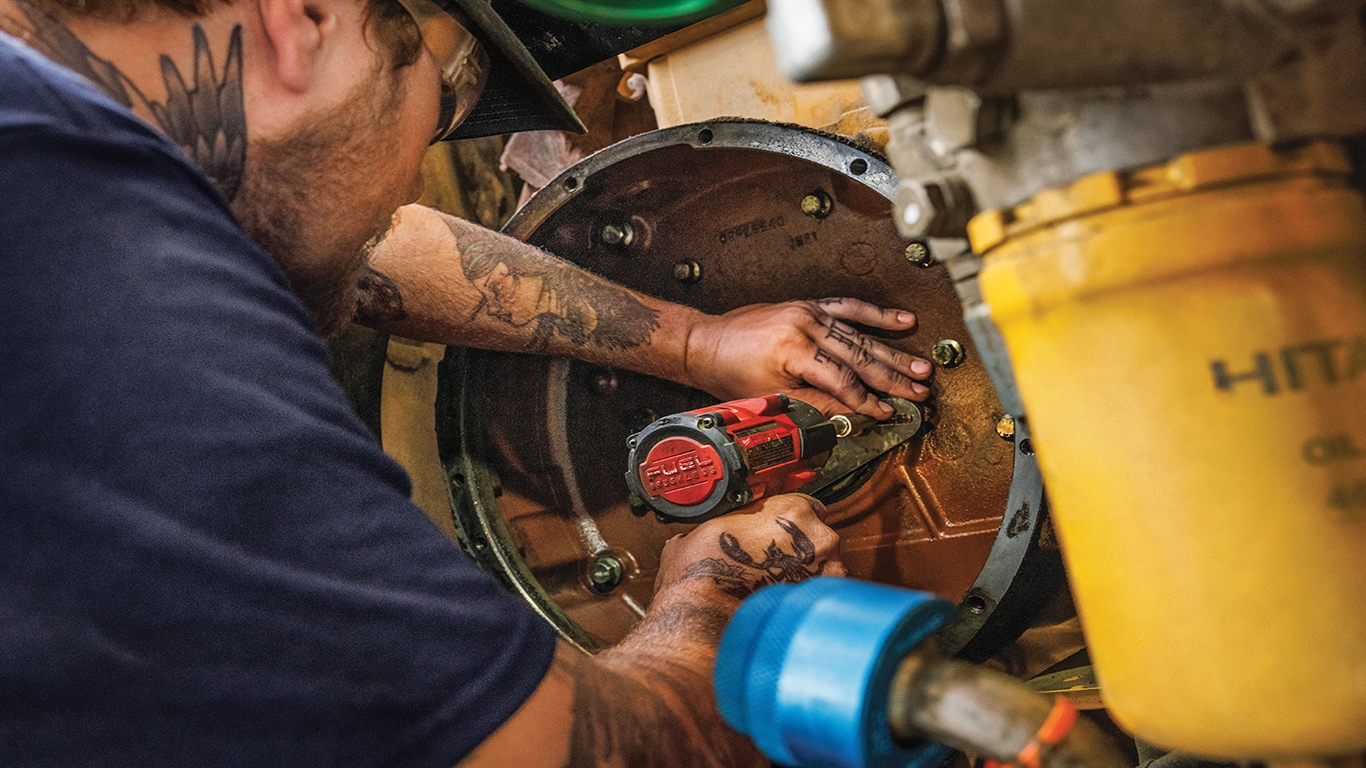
(681, 470)
(678, 469)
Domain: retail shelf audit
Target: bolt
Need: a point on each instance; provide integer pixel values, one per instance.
(617, 234)
(605, 383)
(936, 207)
(912, 214)
(1006, 428)
(951, 116)
(741, 497)
(919, 255)
(958, 118)
(706, 422)
(948, 353)
(688, 271)
(817, 205)
(606, 573)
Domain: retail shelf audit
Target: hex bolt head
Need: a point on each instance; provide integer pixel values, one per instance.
(1006, 428)
(948, 353)
(688, 271)
(918, 204)
(617, 234)
(817, 205)
(606, 573)
(919, 255)
(938, 207)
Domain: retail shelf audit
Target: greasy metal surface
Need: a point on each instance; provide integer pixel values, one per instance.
(548, 437)
(860, 449)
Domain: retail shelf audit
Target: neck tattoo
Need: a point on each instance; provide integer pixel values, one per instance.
(205, 115)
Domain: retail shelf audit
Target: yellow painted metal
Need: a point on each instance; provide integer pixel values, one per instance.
(1190, 343)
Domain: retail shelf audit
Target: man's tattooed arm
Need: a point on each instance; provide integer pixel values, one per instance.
(647, 712)
(438, 278)
(527, 288)
(649, 700)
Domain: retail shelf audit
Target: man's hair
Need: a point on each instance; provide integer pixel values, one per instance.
(392, 25)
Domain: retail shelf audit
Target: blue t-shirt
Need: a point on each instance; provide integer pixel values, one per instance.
(204, 560)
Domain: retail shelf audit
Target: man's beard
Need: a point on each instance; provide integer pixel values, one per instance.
(303, 199)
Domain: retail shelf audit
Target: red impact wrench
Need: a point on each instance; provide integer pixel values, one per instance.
(700, 464)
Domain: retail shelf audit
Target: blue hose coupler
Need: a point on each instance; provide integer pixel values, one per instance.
(804, 670)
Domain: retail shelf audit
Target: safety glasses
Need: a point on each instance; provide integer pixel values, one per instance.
(463, 61)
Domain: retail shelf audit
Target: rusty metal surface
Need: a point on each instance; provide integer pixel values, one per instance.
(551, 434)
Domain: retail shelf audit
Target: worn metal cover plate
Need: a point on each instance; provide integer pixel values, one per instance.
(536, 447)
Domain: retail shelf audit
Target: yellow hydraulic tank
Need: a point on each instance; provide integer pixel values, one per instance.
(1190, 343)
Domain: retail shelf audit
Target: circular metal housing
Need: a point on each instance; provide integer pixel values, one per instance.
(534, 445)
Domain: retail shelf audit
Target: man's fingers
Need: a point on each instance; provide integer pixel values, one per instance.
(867, 362)
(864, 313)
(829, 374)
(818, 400)
(912, 365)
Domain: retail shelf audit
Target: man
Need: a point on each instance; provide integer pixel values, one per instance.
(205, 561)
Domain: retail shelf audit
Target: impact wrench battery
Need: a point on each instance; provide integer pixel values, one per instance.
(696, 465)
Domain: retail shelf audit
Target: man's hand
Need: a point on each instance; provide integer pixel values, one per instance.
(648, 701)
(437, 278)
(780, 539)
(808, 349)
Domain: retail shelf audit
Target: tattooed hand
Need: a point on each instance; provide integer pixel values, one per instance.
(809, 350)
(648, 702)
(780, 539)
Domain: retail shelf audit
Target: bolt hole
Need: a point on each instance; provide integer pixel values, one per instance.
(571, 183)
(705, 136)
(457, 479)
(1026, 447)
(858, 167)
(976, 603)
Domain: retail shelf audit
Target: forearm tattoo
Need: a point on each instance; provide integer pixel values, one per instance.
(740, 573)
(620, 720)
(378, 299)
(554, 301)
(205, 116)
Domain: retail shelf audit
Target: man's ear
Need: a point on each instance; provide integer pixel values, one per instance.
(296, 31)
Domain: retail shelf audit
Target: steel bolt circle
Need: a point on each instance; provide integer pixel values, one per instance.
(606, 573)
(948, 353)
(919, 255)
(688, 271)
(817, 205)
